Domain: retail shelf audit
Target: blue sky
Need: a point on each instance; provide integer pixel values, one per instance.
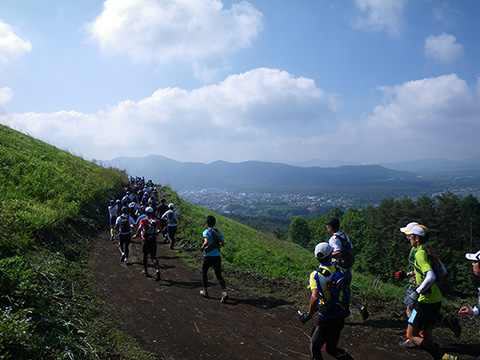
(366, 81)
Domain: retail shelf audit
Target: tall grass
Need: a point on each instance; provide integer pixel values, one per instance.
(49, 201)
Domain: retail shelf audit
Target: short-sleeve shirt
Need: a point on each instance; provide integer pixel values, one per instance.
(336, 243)
(112, 210)
(421, 262)
(175, 215)
(119, 224)
(208, 234)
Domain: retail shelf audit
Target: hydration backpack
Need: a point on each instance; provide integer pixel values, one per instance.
(348, 257)
(216, 239)
(151, 231)
(171, 219)
(438, 268)
(339, 302)
(124, 225)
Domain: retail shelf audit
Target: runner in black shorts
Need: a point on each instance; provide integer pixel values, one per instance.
(149, 228)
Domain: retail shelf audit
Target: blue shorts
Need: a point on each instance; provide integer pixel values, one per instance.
(113, 220)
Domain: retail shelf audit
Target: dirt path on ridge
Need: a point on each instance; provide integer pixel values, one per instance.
(171, 319)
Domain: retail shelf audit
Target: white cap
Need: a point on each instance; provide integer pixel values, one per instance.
(149, 210)
(473, 257)
(322, 250)
(409, 226)
(420, 230)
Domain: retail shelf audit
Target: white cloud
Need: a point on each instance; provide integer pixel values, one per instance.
(11, 45)
(443, 48)
(268, 114)
(6, 94)
(433, 117)
(175, 30)
(381, 15)
(237, 119)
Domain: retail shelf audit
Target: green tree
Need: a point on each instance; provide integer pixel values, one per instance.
(469, 224)
(355, 226)
(336, 212)
(299, 232)
(447, 219)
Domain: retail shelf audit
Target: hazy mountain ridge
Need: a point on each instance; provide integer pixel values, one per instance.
(262, 176)
(435, 165)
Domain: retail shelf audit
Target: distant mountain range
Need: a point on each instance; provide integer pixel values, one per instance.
(399, 178)
(424, 166)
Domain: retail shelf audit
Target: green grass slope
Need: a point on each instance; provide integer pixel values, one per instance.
(50, 202)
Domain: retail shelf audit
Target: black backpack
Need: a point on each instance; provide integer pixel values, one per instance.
(348, 257)
(125, 224)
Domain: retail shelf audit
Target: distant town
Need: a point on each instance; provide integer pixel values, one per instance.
(273, 204)
(284, 205)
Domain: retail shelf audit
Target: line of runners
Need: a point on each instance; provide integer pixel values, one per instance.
(330, 293)
(139, 212)
(329, 284)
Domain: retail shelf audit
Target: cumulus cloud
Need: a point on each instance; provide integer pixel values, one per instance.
(11, 45)
(443, 48)
(6, 95)
(175, 30)
(275, 114)
(236, 119)
(380, 15)
(432, 117)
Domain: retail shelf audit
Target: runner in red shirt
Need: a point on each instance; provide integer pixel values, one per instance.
(149, 228)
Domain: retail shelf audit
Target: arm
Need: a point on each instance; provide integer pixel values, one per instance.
(427, 283)
(311, 308)
(468, 311)
(424, 285)
(205, 244)
(138, 231)
(313, 301)
(337, 254)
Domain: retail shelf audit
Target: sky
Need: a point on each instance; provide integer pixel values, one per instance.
(365, 81)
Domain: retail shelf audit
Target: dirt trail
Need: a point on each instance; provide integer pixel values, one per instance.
(171, 319)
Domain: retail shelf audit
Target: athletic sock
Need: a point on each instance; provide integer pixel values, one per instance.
(430, 347)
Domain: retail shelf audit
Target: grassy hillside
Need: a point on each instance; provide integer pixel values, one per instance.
(263, 263)
(50, 202)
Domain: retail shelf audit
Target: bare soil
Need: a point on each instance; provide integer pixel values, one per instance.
(171, 319)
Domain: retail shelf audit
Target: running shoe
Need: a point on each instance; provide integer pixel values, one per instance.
(364, 312)
(157, 275)
(204, 293)
(144, 272)
(127, 262)
(224, 297)
(452, 323)
(122, 258)
(407, 344)
(449, 357)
